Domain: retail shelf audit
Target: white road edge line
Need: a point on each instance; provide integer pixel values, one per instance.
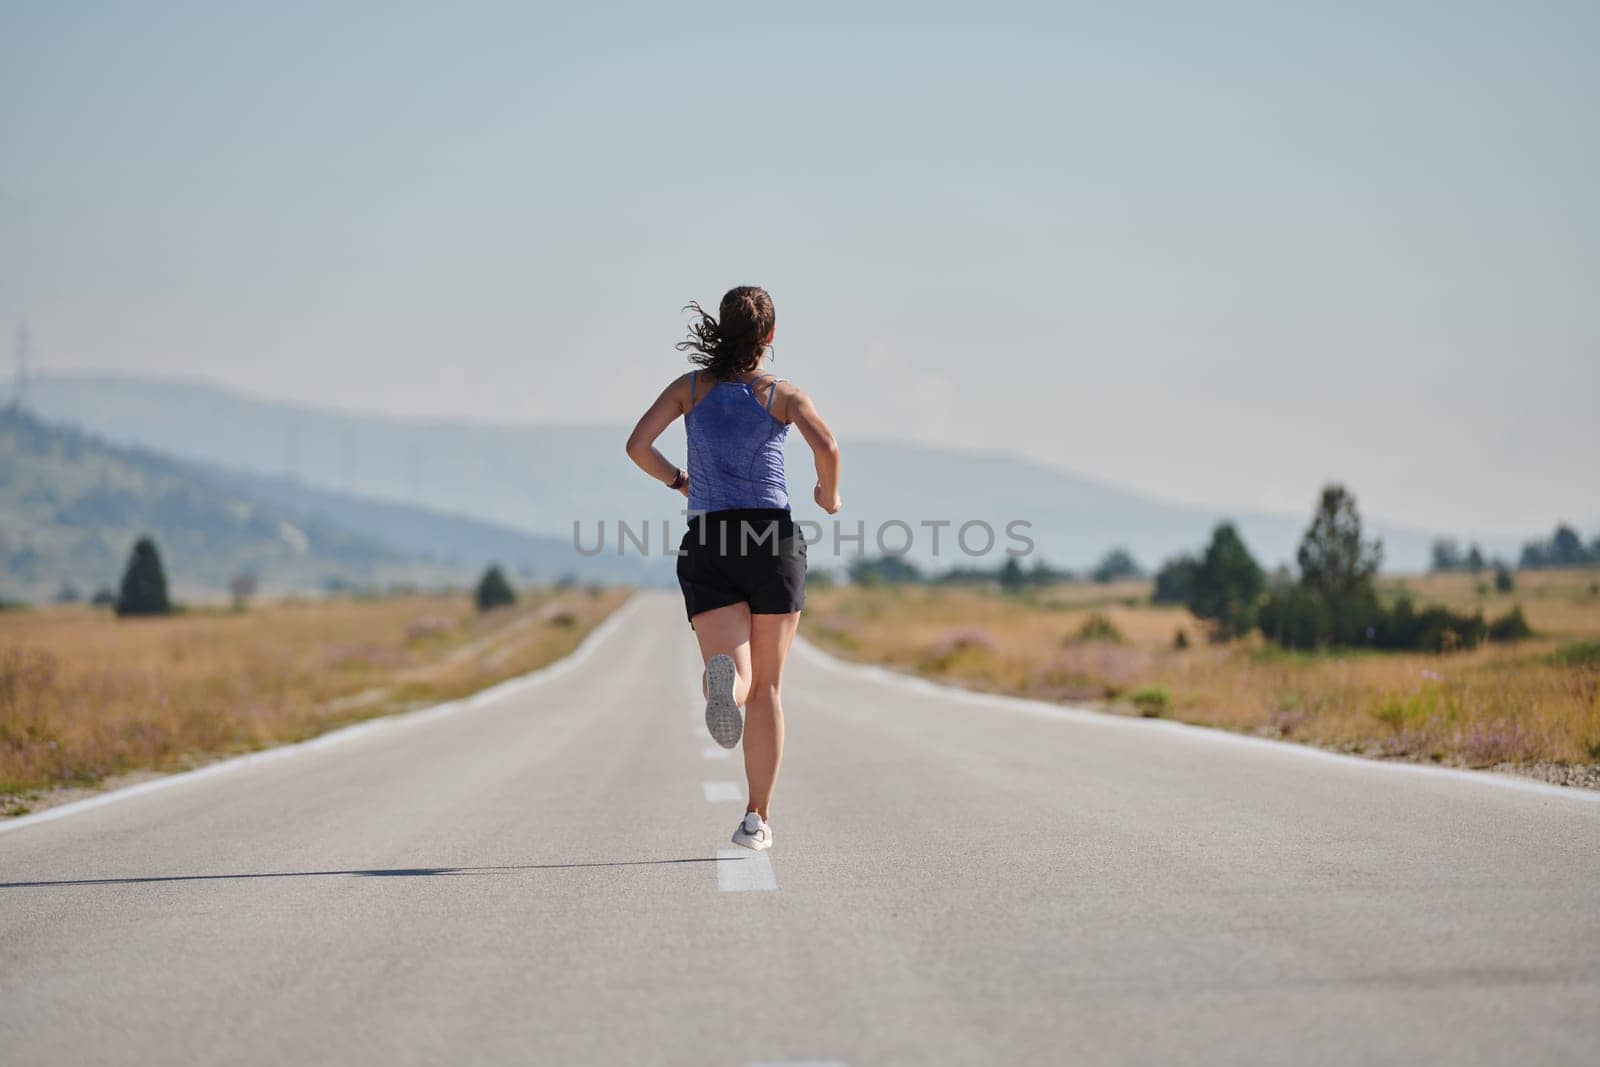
(716, 752)
(499, 691)
(741, 870)
(1213, 734)
(717, 792)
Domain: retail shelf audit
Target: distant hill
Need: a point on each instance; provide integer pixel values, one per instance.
(71, 506)
(541, 478)
(441, 538)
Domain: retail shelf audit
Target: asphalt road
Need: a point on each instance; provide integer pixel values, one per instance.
(536, 879)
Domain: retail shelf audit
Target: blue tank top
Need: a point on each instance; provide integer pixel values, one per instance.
(735, 449)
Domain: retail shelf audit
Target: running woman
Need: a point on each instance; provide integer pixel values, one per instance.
(742, 564)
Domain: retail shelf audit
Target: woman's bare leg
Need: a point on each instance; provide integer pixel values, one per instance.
(726, 630)
(770, 638)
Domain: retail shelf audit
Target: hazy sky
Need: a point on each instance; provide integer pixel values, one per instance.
(1218, 253)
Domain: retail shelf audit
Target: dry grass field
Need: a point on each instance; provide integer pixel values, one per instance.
(1532, 705)
(84, 695)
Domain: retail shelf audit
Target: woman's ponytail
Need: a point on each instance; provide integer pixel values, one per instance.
(731, 343)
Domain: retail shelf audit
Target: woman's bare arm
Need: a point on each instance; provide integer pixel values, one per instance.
(823, 447)
(673, 401)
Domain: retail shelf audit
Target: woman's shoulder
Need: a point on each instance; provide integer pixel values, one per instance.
(683, 386)
(785, 395)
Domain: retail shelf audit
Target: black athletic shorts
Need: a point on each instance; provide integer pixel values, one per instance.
(753, 556)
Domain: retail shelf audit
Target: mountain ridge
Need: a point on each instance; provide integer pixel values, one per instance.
(114, 380)
(543, 478)
(73, 503)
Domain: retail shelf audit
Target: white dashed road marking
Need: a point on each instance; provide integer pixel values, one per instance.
(717, 791)
(716, 752)
(741, 870)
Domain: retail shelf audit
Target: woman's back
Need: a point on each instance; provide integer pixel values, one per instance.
(735, 446)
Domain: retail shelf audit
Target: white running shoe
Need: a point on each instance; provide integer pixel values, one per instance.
(753, 832)
(724, 718)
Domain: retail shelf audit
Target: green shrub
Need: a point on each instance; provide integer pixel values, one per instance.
(1391, 713)
(1302, 618)
(1582, 654)
(1295, 617)
(966, 643)
(1152, 701)
(1099, 628)
(1512, 626)
(1180, 640)
(1413, 710)
(1433, 629)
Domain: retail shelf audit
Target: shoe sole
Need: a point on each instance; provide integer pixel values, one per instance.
(722, 714)
(751, 843)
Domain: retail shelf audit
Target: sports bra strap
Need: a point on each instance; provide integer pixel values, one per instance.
(772, 392)
(691, 386)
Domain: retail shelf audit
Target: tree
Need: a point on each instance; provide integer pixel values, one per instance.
(1335, 561)
(1535, 554)
(1175, 580)
(1227, 584)
(1117, 563)
(1566, 547)
(1446, 555)
(1335, 602)
(493, 589)
(884, 570)
(1475, 561)
(1011, 577)
(1503, 582)
(1042, 574)
(144, 583)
